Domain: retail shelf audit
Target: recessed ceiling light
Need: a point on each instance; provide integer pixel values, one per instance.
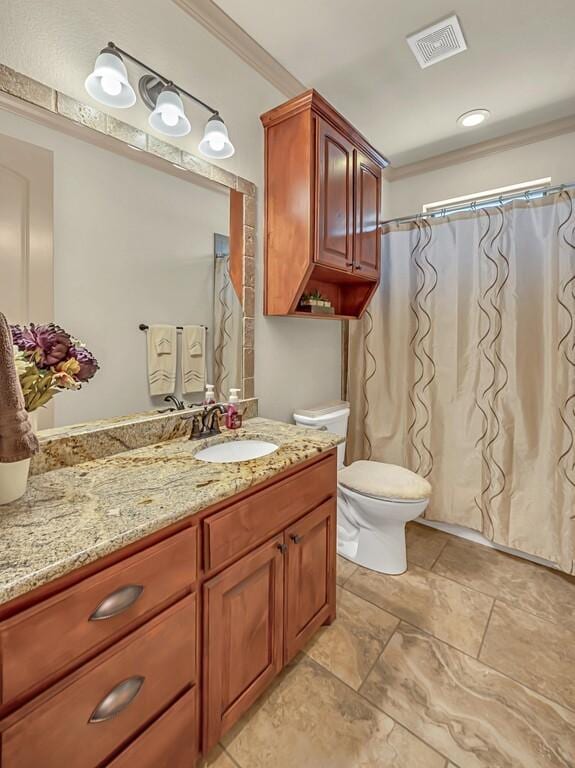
(473, 118)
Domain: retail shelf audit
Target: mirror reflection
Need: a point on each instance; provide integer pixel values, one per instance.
(116, 277)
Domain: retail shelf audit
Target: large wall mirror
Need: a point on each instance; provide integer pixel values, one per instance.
(134, 255)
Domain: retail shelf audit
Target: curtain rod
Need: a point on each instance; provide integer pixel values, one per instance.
(527, 194)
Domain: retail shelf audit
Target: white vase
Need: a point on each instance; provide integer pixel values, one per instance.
(14, 474)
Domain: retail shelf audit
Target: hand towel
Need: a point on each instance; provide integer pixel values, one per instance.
(17, 441)
(193, 359)
(162, 356)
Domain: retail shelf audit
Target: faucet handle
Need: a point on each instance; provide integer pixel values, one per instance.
(196, 427)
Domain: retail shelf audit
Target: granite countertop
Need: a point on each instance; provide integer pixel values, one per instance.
(70, 517)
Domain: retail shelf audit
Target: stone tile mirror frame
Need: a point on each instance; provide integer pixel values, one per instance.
(34, 100)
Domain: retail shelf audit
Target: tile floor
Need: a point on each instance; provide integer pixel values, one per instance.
(465, 661)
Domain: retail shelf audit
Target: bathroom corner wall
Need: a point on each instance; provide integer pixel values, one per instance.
(297, 361)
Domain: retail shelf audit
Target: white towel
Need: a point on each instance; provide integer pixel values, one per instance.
(162, 356)
(193, 359)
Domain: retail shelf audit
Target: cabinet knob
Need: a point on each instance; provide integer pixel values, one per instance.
(357, 266)
(349, 263)
(295, 538)
(282, 548)
(120, 697)
(117, 602)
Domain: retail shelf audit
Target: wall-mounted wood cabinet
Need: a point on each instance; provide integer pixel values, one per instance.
(323, 195)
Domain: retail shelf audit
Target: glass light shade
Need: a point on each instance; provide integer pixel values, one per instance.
(216, 143)
(108, 83)
(168, 116)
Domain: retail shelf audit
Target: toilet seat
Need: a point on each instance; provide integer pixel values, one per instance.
(391, 499)
(384, 481)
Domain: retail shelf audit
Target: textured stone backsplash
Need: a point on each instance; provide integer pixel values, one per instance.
(68, 446)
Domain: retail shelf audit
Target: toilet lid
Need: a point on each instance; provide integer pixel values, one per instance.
(387, 481)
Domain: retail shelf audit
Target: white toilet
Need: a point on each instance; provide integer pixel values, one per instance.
(375, 500)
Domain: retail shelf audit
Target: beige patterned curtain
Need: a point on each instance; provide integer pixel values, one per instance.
(227, 325)
(463, 369)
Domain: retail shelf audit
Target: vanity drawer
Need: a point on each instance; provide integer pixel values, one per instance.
(45, 641)
(170, 742)
(100, 707)
(244, 525)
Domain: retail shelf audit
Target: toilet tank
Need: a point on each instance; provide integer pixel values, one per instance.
(332, 416)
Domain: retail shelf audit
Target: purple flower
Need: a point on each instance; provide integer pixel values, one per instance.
(87, 362)
(48, 344)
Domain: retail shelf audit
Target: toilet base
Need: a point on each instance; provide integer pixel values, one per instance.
(371, 531)
(383, 551)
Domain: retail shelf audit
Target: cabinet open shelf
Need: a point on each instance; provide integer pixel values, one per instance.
(347, 293)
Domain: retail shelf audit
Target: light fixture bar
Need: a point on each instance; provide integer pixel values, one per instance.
(165, 80)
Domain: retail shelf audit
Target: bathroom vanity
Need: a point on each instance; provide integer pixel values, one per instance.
(149, 598)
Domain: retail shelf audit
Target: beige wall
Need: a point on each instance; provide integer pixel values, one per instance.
(297, 360)
(552, 157)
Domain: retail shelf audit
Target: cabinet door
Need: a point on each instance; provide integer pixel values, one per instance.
(310, 576)
(334, 202)
(367, 240)
(243, 636)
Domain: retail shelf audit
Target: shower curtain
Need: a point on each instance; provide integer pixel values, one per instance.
(463, 370)
(227, 326)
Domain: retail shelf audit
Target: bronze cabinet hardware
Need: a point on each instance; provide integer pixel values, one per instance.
(282, 548)
(295, 538)
(117, 602)
(116, 701)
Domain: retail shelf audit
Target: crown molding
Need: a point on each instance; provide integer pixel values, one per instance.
(222, 26)
(483, 149)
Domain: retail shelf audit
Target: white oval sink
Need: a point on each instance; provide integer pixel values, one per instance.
(236, 450)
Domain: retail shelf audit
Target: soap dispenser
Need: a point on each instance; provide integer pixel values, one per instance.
(210, 396)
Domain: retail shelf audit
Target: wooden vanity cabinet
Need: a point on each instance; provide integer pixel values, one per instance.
(323, 199)
(243, 643)
(148, 657)
(262, 610)
(310, 576)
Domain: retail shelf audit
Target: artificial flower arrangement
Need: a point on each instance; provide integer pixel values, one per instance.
(49, 360)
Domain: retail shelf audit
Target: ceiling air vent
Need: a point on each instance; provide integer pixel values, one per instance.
(438, 42)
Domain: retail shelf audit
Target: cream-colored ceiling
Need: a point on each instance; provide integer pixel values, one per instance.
(520, 64)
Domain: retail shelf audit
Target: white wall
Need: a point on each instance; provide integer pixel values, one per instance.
(131, 245)
(297, 360)
(553, 157)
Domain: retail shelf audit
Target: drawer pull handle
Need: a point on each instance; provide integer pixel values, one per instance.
(295, 538)
(117, 700)
(118, 602)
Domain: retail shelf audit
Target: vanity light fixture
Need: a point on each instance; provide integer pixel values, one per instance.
(168, 116)
(473, 118)
(216, 142)
(109, 84)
